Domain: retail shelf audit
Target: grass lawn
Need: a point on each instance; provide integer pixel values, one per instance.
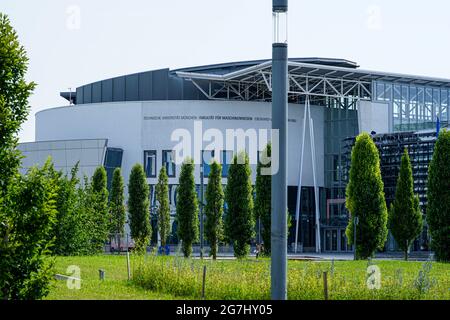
(114, 287)
(178, 278)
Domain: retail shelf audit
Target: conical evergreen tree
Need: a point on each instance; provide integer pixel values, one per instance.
(239, 221)
(214, 208)
(163, 209)
(365, 199)
(263, 198)
(117, 206)
(138, 208)
(438, 196)
(405, 219)
(187, 208)
(100, 210)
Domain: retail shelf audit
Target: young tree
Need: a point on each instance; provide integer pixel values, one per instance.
(163, 209)
(405, 218)
(117, 206)
(365, 199)
(438, 196)
(85, 217)
(138, 208)
(100, 211)
(26, 227)
(214, 208)
(263, 198)
(70, 231)
(239, 221)
(187, 208)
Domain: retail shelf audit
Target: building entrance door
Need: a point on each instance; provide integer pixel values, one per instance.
(335, 240)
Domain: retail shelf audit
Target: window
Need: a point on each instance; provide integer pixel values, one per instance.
(336, 168)
(380, 93)
(226, 158)
(152, 198)
(113, 160)
(207, 156)
(150, 163)
(168, 161)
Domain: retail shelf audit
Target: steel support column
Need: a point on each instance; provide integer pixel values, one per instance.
(279, 179)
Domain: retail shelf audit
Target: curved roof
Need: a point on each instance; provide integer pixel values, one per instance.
(335, 77)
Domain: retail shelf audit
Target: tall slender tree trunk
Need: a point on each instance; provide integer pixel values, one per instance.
(214, 249)
(406, 250)
(118, 243)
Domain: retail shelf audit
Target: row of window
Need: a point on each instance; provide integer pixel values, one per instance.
(168, 160)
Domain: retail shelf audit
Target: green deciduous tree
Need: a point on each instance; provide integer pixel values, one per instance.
(117, 206)
(27, 203)
(438, 196)
(138, 207)
(214, 208)
(405, 217)
(71, 232)
(239, 220)
(14, 94)
(187, 208)
(84, 214)
(27, 218)
(365, 199)
(163, 207)
(263, 198)
(99, 209)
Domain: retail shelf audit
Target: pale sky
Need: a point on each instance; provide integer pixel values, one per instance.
(71, 43)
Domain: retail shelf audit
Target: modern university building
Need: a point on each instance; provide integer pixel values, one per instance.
(130, 119)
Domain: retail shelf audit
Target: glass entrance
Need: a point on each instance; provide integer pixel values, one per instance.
(335, 240)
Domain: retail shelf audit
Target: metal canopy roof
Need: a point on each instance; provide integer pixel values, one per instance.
(223, 68)
(254, 82)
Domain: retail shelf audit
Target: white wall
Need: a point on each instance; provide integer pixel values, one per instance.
(132, 127)
(373, 116)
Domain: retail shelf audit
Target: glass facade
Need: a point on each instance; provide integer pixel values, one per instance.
(414, 107)
(226, 158)
(113, 160)
(306, 233)
(341, 121)
(420, 147)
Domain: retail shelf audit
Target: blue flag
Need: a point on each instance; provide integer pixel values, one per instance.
(438, 127)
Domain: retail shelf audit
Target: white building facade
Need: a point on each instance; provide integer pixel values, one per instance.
(132, 119)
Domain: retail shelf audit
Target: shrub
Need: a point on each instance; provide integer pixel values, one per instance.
(26, 227)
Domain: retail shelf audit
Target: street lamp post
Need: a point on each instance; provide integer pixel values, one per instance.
(201, 209)
(279, 123)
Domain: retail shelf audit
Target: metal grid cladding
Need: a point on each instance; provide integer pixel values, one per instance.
(420, 147)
